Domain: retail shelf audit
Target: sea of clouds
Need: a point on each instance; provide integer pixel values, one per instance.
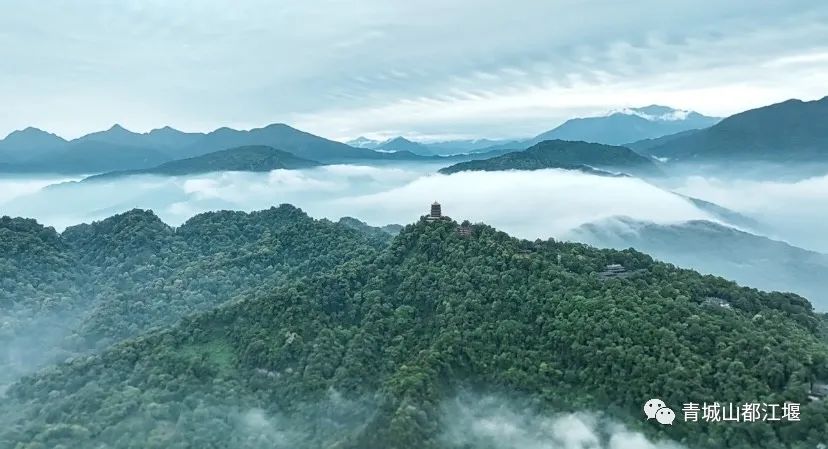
(528, 204)
(533, 204)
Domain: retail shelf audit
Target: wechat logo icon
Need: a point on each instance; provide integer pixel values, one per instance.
(656, 408)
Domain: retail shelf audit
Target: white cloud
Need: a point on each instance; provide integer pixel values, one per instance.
(537, 204)
(794, 209)
(499, 423)
(431, 67)
(15, 186)
(528, 204)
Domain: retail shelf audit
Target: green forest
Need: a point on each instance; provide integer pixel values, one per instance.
(95, 285)
(272, 329)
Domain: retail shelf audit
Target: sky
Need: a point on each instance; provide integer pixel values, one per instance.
(427, 69)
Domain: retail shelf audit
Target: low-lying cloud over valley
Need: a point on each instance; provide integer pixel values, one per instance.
(536, 204)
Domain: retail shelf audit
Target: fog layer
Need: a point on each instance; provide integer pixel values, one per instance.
(490, 422)
(528, 204)
(534, 204)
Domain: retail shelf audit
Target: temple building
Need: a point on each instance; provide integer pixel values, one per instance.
(465, 229)
(436, 212)
(613, 270)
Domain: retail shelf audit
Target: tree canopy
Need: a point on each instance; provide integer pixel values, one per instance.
(364, 351)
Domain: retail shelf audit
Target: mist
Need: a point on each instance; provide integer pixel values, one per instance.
(13, 186)
(491, 422)
(537, 204)
(793, 210)
(527, 204)
(27, 345)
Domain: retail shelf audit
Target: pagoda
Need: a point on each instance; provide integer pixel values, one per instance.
(436, 212)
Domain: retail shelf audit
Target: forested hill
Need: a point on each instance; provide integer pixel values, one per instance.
(96, 284)
(564, 154)
(255, 158)
(368, 354)
(791, 131)
(718, 249)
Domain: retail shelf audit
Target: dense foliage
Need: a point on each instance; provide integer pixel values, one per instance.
(713, 248)
(563, 154)
(366, 354)
(99, 283)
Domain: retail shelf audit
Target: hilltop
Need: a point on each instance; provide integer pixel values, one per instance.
(250, 158)
(367, 354)
(589, 157)
(96, 284)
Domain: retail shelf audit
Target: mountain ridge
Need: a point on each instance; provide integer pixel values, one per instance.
(792, 130)
(562, 154)
(252, 158)
(619, 128)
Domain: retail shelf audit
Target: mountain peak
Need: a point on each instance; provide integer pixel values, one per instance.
(278, 126)
(165, 130)
(124, 223)
(656, 113)
(30, 131)
(118, 128)
(363, 142)
(31, 139)
(399, 139)
(401, 144)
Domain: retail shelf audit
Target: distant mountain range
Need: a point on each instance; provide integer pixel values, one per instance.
(163, 138)
(791, 131)
(716, 249)
(32, 150)
(563, 154)
(279, 136)
(444, 148)
(628, 125)
(399, 144)
(117, 148)
(616, 128)
(254, 158)
(27, 143)
(121, 150)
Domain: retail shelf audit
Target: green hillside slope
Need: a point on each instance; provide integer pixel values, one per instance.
(367, 355)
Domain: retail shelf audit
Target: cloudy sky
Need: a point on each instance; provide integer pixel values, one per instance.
(422, 68)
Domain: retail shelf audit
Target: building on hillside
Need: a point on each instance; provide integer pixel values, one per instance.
(714, 301)
(818, 391)
(436, 212)
(613, 270)
(465, 229)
